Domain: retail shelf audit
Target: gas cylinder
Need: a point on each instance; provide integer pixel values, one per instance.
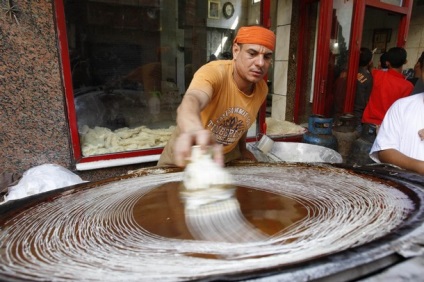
(320, 132)
(344, 130)
(361, 147)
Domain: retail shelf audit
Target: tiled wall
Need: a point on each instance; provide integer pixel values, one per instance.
(279, 97)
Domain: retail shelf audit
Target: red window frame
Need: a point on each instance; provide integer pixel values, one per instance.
(324, 33)
(323, 45)
(70, 105)
(356, 36)
(78, 158)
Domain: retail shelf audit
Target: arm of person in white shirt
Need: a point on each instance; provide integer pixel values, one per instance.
(395, 157)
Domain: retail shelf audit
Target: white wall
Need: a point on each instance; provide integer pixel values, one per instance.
(281, 59)
(415, 41)
(234, 21)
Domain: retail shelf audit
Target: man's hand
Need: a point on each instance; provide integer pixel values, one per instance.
(192, 131)
(393, 156)
(247, 155)
(204, 138)
(421, 134)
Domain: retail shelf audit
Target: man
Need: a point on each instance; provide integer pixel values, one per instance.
(388, 86)
(400, 140)
(223, 100)
(364, 83)
(382, 63)
(419, 82)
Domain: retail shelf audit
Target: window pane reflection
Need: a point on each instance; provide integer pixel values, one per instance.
(393, 2)
(339, 54)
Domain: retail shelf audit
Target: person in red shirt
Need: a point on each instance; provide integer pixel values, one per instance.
(388, 87)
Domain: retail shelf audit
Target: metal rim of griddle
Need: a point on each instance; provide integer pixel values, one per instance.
(409, 183)
(370, 257)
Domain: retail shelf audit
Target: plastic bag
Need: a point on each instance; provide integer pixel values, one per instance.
(40, 179)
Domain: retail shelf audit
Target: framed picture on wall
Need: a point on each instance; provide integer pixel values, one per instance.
(380, 39)
(213, 9)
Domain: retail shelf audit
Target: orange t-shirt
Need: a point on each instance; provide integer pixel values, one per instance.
(230, 113)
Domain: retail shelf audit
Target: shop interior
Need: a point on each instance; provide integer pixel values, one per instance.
(131, 62)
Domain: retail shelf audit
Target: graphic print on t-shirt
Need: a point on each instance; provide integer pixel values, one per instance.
(230, 126)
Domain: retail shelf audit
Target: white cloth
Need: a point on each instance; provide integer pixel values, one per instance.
(41, 179)
(400, 127)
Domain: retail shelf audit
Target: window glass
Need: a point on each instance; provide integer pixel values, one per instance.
(380, 31)
(131, 62)
(339, 56)
(393, 2)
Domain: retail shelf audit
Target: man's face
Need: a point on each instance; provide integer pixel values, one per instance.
(417, 69)
(252, 61)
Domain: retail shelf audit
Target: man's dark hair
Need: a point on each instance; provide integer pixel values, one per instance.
(365, 57)
(383, 60)
(396, 56)
(421, 60)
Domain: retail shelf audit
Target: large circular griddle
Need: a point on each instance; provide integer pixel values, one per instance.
(134, 228)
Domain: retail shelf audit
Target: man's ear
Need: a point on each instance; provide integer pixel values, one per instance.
(236, 50)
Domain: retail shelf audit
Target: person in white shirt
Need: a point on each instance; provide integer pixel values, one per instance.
(400, 139)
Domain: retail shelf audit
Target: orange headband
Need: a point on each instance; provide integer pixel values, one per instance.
(256, 35)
